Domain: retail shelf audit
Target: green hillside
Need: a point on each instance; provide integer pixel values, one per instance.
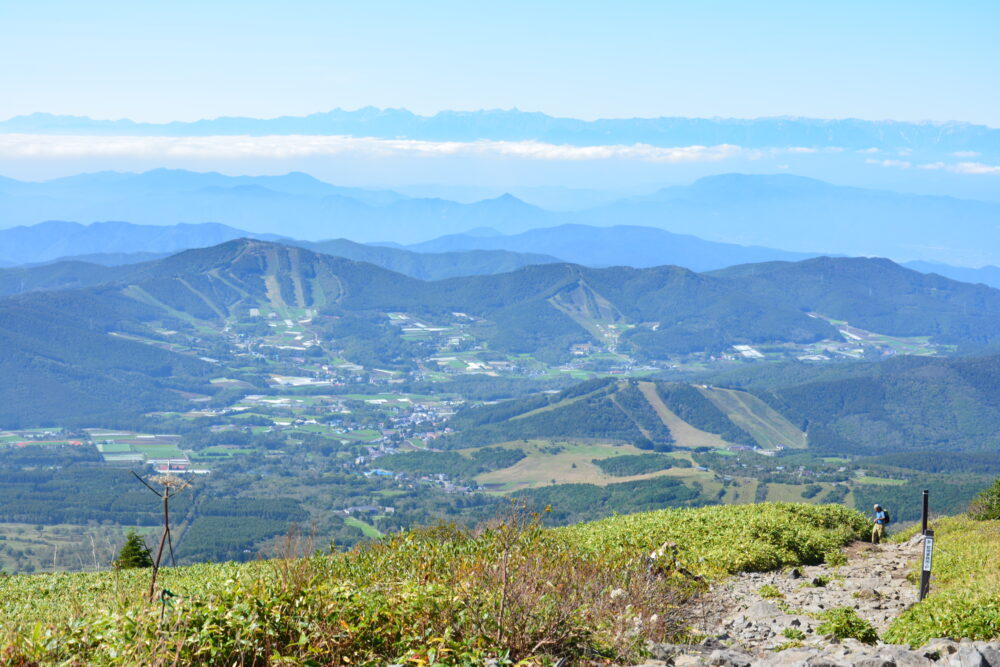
(513, 592)
(877, 295)
(646, 414)
(904, 404)
(214, 302)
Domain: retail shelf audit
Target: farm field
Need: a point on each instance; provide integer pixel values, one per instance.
(563, 461)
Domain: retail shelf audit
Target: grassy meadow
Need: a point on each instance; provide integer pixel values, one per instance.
(965, 585)
(513, 591)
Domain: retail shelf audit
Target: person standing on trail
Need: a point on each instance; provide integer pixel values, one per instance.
(880, 521)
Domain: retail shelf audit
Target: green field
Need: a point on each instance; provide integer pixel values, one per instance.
(367, 529)
(880, 481)
(114, 448)
(159, 451)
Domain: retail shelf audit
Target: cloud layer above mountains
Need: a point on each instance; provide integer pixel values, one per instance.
(302, 146)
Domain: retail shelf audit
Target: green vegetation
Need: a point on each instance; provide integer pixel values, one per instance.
(578, 502)
(513, 592)
(768, 592)
(904, 404)
(986, 506)
(452, 464)
(965, 586)
(596, 409)
(735, 538)
(638, 464)
(951, 494)
(291, 375)
(844, 623)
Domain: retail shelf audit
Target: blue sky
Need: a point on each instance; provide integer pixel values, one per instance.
(182, 60)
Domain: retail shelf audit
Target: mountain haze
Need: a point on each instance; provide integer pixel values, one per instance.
(794, 215)
(620, 245)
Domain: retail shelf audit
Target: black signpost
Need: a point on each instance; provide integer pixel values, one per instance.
(925, 570)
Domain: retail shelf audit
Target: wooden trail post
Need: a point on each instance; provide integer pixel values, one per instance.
(928, 559)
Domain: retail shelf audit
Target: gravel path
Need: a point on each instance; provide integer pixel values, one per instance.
(755, 609)
(769, 619)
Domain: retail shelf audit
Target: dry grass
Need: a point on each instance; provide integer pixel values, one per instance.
(573, 465)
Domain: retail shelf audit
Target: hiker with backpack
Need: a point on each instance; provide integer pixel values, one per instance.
(881, 520)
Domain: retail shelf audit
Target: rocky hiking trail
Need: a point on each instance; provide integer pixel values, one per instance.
(771, 618)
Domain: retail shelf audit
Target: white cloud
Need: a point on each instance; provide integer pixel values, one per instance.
(870, 150)
(302, 146)
(973, 168)
(977, 168)
(899, 164)
(966, 154)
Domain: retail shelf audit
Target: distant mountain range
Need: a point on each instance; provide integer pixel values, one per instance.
(621, 245)
(296, 204)
(477, 252)
(514, 125)
(806, 215)
(42, 260)
(793, 214)
(56, 239)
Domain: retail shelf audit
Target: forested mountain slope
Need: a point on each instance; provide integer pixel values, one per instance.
(878, 295)
(903, 404)
(540, 310)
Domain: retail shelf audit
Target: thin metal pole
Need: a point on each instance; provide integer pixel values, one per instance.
(923, 513)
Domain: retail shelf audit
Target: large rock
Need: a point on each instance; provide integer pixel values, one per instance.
(761, 610)
(729, 658)
(967, 656)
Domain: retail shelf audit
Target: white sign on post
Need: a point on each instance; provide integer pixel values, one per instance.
(928, 552)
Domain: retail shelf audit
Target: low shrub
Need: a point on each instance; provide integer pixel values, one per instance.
(768, 591)
(844, 623)
(835, 558)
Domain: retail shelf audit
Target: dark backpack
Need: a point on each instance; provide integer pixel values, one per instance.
(888, 519)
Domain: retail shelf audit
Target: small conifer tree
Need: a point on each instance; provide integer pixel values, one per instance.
(134, 553)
